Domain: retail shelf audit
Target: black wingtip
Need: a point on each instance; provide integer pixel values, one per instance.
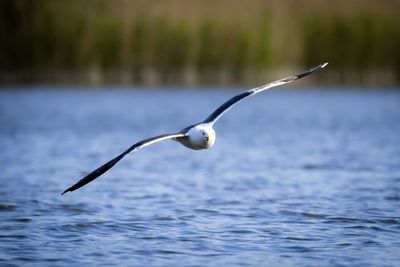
(66, 191)
(321, 66)
(94, 174)
(317, 68)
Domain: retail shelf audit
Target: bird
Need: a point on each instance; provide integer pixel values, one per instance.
(197, 136)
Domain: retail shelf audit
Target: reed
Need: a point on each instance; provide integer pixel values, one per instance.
(227, 42)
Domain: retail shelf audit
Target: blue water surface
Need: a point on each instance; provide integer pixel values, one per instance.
(296, 178)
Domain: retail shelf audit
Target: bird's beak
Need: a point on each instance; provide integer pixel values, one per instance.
(207, 138)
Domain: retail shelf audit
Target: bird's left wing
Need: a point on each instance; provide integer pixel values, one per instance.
(228, 104)
(108, 165)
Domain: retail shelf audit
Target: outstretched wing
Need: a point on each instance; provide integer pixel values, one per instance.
(228, 104)
(105, 167)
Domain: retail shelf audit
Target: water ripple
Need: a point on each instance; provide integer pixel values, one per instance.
(318, 186)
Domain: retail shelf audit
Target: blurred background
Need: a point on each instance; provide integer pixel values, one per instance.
(191, 43)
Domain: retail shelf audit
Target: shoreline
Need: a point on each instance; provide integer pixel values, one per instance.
(191, 78)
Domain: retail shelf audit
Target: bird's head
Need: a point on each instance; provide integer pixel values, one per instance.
(208, 137)
(202, 137)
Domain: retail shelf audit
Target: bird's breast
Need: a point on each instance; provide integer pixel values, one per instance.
(200, 136)
(187, 142)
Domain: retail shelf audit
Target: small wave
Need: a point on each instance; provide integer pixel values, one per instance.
(134, 226)
(165, 251)
(389, 221)
(81, 226)
(344, 244)
(164, 218)
(299, 249)
(310, 215)
(209, 211)
(15, 236)
(347, 220)
(243, 231)
(301, 239)
(310, 166)
(393, 198)
(73, 208)
(22, 220)
(7, 207)
(314, 215)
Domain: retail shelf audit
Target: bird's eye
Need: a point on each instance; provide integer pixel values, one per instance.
(203, 133)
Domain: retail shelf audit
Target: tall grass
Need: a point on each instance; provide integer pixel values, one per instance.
(358, 43)
(177, 42)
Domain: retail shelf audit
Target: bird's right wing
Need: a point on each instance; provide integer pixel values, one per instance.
(108, 165)
(228, 104)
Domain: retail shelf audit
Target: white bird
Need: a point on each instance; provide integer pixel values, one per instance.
(197, 136)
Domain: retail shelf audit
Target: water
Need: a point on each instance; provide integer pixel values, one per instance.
(296, 178)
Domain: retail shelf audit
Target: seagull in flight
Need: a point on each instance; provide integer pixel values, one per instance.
(197, 136)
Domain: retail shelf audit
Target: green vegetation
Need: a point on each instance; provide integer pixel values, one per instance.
(197, 42)
(360, 44)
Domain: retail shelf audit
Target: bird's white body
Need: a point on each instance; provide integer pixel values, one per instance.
(201, 136)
